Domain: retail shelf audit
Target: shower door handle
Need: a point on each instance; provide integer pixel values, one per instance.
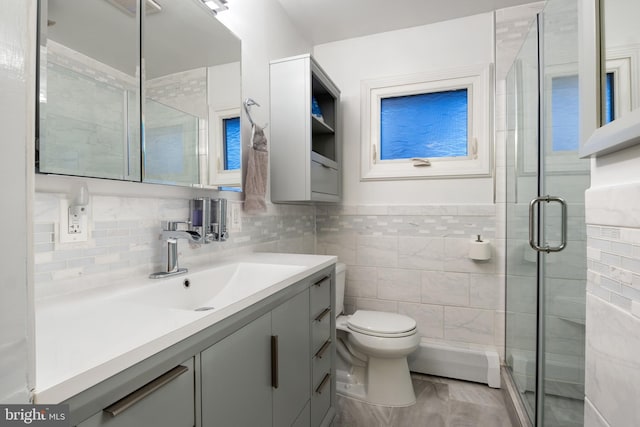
(563, 224)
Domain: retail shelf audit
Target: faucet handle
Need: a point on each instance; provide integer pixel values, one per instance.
(173, 225)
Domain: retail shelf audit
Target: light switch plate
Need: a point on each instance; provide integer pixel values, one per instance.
(235, 222)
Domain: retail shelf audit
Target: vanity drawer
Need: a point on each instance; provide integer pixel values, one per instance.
(320, 328)
(320, 294)
(321, 397)
(321, 363)
(167, 401)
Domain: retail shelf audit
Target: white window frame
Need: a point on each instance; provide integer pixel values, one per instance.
(476, 79)
(217, 173)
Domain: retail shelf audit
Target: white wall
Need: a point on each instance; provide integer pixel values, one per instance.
(266, 33)
(17, 85)
(426, 48)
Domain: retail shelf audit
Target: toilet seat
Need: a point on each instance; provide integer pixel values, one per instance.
(381, 324)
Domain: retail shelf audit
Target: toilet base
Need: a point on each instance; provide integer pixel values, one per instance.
(388, 383)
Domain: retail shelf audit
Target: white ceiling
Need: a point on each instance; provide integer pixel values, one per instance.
(323, 21)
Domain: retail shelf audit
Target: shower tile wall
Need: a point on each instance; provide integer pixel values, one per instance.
(125, 240)
(613, 306)
(413, 260)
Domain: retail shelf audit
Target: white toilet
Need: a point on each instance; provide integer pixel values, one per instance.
(372, 352)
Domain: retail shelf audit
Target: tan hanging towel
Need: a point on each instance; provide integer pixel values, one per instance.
(255, 185)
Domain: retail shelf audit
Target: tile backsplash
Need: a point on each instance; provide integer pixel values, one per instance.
(406, 259)
(414, 260)
(613, 256)
(124, 240)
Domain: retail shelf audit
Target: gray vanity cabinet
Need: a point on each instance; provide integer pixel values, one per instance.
(258, 376)
(305, 154)
(290, 326)
(271, 364)
(236, 378)
(322, 322)
(167, 401)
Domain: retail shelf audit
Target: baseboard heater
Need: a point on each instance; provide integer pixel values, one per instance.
(481, 366)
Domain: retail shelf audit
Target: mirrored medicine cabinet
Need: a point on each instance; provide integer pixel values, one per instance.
(138, 90)
(609, 76)
(620, 43)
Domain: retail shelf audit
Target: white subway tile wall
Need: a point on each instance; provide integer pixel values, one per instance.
(413, 260)
(613, 257)
(125, 240)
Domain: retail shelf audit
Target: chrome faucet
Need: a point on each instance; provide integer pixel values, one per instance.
(207, 223)
(171, 234)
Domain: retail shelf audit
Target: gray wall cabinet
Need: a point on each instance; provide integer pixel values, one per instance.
(271, 364)
(305, 147)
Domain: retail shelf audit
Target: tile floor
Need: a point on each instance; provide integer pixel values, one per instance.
(441, 402)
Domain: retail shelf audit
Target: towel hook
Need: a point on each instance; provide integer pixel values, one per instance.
(247, 107)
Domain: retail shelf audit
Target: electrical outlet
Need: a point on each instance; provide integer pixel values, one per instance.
(235, 222)
(73, 226)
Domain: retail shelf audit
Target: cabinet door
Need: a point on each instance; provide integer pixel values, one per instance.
(236, 378)
(290, 323)
(167, 401)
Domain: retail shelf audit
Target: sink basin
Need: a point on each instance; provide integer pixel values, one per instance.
(213, 288)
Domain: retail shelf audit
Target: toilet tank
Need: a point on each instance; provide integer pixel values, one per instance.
(341, 272)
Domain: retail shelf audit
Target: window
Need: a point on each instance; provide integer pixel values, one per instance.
(430, 125)
(609, 98)
(231, 137)
(226, 146)
(565, 114)
(425, 125)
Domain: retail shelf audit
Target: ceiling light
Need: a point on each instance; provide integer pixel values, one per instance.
(216, 5)
(130, 6)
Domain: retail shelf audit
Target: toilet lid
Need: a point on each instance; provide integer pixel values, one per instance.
(379, 323)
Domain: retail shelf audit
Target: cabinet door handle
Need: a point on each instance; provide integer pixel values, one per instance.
(274, 361)
(128, 401)
(324, 348)
(325, 166)
(319, 282)
(324, 382)
(322, 315)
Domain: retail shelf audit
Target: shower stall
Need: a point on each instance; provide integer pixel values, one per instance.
(546, 234)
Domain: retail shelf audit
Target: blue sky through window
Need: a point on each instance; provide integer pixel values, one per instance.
(564, 113)
(424, 125)
(610, 112)
(231, 143)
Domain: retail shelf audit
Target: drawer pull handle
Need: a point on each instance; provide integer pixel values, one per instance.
(131, 399)
(319, 282)
(324, 348)
(274, 361)
(325, 166)
(322, 315)
(324, 382)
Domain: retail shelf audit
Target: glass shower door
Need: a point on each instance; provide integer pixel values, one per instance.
(522, 186)
(562, 173)
(546, 181)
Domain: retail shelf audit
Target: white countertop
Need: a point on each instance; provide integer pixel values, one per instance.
(87, 337)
